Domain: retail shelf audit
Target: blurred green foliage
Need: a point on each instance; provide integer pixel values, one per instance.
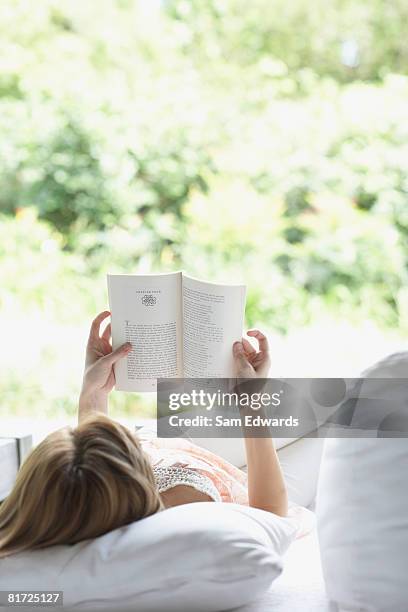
(264, 142)
(343, 39)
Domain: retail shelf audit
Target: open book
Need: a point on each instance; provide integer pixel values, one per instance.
(179, 327)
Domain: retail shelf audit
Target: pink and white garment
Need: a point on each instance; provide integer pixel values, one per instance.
(180, 462)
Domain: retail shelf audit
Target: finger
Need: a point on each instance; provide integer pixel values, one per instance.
(262, 339)
(107, 332)
(96, 324)
(118, 354)
(249, 348)
(243, 366)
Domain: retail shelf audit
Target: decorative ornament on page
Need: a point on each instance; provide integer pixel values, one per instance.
(149, 300)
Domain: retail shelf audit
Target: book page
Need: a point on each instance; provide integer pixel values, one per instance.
(213, 318)
(146, 311)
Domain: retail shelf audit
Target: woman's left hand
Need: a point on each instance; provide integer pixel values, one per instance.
(99, 376)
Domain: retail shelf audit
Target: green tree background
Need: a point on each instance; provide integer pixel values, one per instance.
(263, 142)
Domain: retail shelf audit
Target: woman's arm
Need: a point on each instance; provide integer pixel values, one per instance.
(99, 376)
(266, 485)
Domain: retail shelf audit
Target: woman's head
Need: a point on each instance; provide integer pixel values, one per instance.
(78, 484)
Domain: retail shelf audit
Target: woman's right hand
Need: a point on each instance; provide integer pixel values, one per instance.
(250, 362)
(99, 376)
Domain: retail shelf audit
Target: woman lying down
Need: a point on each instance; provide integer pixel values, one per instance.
(84, 482)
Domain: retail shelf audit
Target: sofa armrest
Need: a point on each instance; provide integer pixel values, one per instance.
(12, 453)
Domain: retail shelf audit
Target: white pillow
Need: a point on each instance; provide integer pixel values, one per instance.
(202, 556)
(362, 511)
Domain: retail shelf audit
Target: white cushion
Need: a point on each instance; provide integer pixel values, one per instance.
(362, 509)
(203, 556)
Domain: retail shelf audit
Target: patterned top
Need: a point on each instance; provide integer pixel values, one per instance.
(169, 477)
(180, 462)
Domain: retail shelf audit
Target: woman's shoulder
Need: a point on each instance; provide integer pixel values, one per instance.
(176, 476)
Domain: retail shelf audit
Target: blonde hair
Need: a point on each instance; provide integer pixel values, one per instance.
(78, 484)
